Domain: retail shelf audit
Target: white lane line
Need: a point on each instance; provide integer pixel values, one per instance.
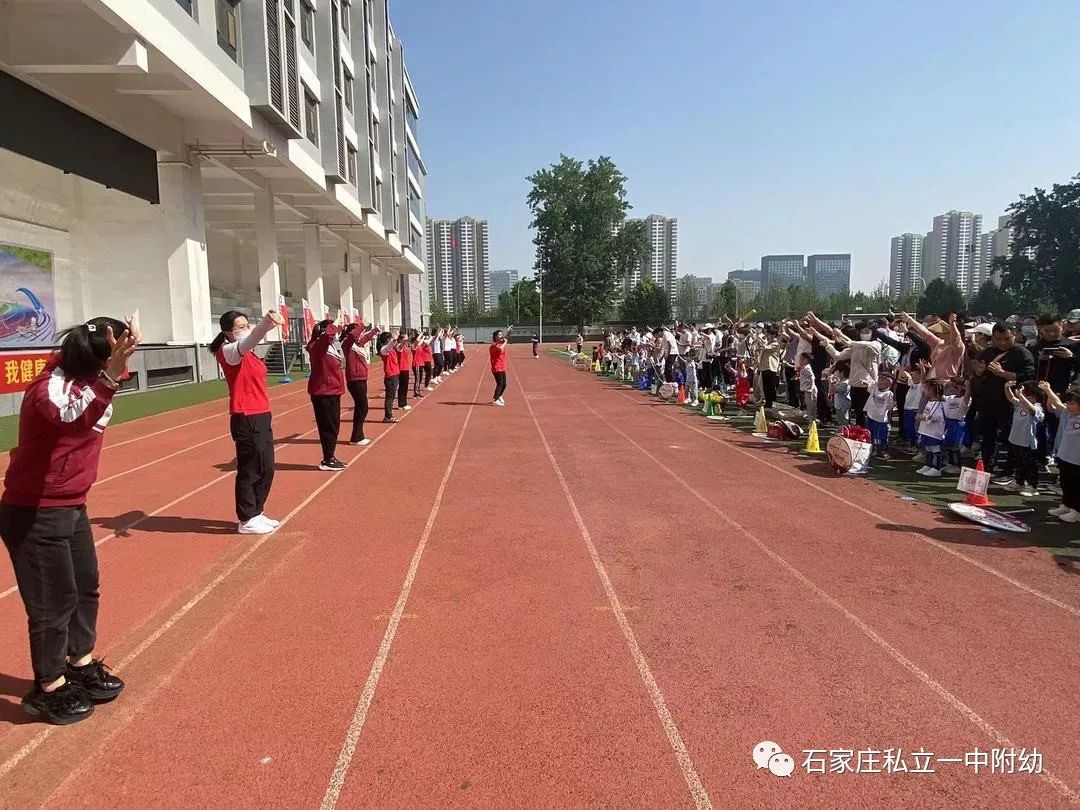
(678, 747)
(45, 733)
(962, 708)
(356, 726)
(802, 479)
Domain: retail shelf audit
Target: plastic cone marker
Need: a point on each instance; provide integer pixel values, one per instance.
(974, 499)
(761, 424)
(812, 443)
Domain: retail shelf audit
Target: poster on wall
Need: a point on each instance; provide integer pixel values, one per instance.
(27, 297)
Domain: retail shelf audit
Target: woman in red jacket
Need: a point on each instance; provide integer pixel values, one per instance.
(43, 519)
(249, 414)
(404, 370)
(389, 352)
(325, 387)
(418, 354)
(354, 347)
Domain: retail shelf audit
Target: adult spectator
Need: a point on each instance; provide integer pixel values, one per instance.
(865, 356)
(1005, 361)
(1056, 362)
(946, 345)
(1072, 323)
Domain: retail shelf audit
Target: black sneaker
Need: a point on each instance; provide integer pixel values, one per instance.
(332, 465)
(389, 421)
(62, 707)
(97, 680)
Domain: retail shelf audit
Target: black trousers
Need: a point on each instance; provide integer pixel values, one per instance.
(438, 360)
(328, 419)
(792, 386)
(1047, 432)
(669, 368)
(448, 360)
(358, 391)
(994, 425)
(254, 439)
(427, 374)
(1070, 484)
(769, 381)
(391, 392)
(418, 379)
(52, 552)
(859, 398)
(403, 388)
(705, 374)
(1025, 465)
(500, 383)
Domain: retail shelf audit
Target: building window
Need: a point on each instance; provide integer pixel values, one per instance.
(352, 164)
(345, 12)
(228, 36)
(373, 133)
(376, 200)
(311, 117)
(307, 25)
(348, 91)
(185, 5)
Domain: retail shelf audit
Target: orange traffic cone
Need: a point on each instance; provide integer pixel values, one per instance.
(682, 396)
(973, 499)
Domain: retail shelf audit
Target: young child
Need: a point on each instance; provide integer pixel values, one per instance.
(1028, 414)
(742, 385)
(931, 426)
(956, 407)
(840, 392)
(1067, 451)
(976, 404)
(879, 412)
(692, 365)
(914, 403)
(808, 385)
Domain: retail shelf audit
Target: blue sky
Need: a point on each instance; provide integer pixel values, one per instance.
(766, 127)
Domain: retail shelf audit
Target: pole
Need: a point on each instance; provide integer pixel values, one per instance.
(540, 277)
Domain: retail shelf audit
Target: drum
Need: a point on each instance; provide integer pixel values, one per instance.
(668, 390)
(846, 455)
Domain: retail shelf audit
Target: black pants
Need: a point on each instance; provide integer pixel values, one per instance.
(391, 392)
(705, 375)
(1047, 432)
(460, 358)
(427, 374)
(769, 382)
(994, 424)
(448, 360)
(254, 439)
(437, 358)
(1025, 465)
(358, 390)
(669, 368)
(418, 379)
(859, 398)
(328, 419)
(52, 552)
(403, 388)
(792, 387)
(1070, 484)
(500, 383)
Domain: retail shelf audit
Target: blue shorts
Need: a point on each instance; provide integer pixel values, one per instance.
(879, 432)
(907, 426)
(930, 444)
(955, 433)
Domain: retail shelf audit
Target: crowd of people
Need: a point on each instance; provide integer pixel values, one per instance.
(941, 390)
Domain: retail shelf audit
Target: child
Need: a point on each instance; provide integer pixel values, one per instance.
(1027, 415)
(879, 412)
(808, 385)
(536, 347)
(840, 392)
(692, 364)
(742, 385)
(976, 404)
(914, 403)
(956, 408)
(931, 426)
(1067, 451)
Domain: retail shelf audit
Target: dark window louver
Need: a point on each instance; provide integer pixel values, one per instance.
(294, 74)
(337, 44)
(273, 56)
(340, 136)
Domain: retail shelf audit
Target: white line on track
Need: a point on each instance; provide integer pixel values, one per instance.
(962, 708)
(802, 479)
(671, 730)
(45, 733)
(356, 725)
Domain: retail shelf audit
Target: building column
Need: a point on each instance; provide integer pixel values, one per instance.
(382, 299)
(367, 305)
(346, 283)
(314, 290)
(394, 282)
(266, 250)
(184, 231)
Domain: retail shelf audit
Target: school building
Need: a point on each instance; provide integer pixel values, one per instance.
(186, 157)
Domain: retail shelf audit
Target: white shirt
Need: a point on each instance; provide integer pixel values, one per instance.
(865, 356)
(933, 424)
(670, 345)
(956, 408)
(436, 346)
(880, 404)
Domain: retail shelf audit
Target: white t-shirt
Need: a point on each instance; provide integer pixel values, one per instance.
(670, 345)
(880, 404)
(933, 423)
(956, 408)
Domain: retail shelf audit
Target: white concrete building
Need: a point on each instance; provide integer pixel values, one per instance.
(500, 281)
(662, 263)
(905, 264)
(458, 262)
(189, 157)
(951, 250)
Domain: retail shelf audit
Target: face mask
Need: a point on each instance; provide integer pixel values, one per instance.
(1028, 331)
(865, 335)
(240, 334)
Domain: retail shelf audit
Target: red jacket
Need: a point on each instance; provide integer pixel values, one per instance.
(404, 359)
(389, 360)
(61, 428)
(356, 365)
(497, 352)
(327, 377)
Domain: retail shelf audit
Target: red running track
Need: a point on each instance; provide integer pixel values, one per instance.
(586, 598)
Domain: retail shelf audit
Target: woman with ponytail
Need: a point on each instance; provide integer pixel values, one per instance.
(325, 387)
(249, 414)
(43, 519)
(354, 346)
(389, 351)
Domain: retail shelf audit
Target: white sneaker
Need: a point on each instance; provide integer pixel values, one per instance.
(1059, 511)
(932, 473)
(406, 407)
(1028, 492)
(257, 525)
(922, 470)
(499, 403)
(428, 388)
(360, 443)
(951, 469)
(1011, 485)
(271, 521)
(1072, 516)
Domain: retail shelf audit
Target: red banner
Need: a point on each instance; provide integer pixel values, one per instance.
(20, 370)
(285, 316)
(309, 318)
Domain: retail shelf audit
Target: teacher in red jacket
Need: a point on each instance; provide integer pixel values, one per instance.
(325, 387)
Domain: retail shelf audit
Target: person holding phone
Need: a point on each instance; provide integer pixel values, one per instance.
(497, 354)
(1056, 363)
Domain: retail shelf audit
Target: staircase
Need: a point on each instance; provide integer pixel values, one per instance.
(293, 360)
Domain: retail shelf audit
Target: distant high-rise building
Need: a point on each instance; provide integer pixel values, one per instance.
(782, 271)
(499, 282)
(951, 251)
(662, 263)
(905, 264)
(747, 282)
(457, 262)
(701, 286)
(997, 244)
(829, 273)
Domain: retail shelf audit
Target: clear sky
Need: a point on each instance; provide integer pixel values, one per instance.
(818, 126)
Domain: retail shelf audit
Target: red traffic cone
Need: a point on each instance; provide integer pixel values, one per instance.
(978, 500)
(682, 396)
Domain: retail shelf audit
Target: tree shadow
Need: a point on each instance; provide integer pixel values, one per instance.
(279, 466)
(464, 403)
(122, 525)
(960, 534)
(11, 711)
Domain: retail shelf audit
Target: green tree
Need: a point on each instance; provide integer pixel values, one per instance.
(940, 297)
(991, 299)
(439, 316)
(726, 301)
(773, 303)
(908, 302)
(469, 312)
(647, 304)
(802, 299)
(689, 300)
(880, 300)
(521, 302)
(584, 246)
(1043, 267)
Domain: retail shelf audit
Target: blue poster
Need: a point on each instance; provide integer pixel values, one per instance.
(27, 298)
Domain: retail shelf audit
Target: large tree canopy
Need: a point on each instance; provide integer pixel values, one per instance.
(1043, 268)
(647, 304)
(584, 246)
(520, 302)
(689, 300)
(940, 297)
(992, 300)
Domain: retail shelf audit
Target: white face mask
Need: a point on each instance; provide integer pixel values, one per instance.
(1028, 331)
(239, 334)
